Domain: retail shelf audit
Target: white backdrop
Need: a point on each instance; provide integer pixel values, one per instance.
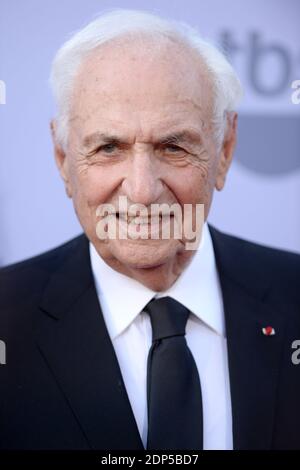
(262, 194)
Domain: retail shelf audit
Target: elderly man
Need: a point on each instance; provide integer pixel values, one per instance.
(123, 338)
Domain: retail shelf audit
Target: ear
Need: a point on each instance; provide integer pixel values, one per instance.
(226, 153)
(60, 158)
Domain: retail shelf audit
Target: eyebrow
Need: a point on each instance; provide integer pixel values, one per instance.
(187, 136)
(97, 137)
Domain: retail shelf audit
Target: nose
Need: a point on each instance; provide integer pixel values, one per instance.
(142, 184)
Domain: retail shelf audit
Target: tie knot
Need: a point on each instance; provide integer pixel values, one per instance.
(168, 317)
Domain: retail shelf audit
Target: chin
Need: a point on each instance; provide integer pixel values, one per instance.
(158, 278)
(141, 255)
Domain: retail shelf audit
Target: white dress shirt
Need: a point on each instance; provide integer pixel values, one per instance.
(122, 301)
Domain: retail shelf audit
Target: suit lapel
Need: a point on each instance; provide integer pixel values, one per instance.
(254, 358)
(74, 341)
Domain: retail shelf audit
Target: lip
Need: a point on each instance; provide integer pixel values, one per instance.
(135, 229)
(143, 220)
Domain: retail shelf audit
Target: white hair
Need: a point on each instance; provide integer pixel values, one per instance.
(119, 22)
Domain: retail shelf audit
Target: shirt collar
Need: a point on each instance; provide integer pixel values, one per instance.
(197, 288)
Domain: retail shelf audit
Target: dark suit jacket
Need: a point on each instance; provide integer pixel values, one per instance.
(61, 386)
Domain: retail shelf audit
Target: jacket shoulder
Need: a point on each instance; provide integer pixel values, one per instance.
(244, 245)
(259, 263)
(26, 278)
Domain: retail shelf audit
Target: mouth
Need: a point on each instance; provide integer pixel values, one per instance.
(141, 220)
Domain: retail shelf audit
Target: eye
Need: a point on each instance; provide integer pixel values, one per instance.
(173, 148)
(107, 148)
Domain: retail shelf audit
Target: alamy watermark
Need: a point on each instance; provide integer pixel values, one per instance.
(158, 222)
(2, 353)
(2, 92)
(296, 94)
(296, 354)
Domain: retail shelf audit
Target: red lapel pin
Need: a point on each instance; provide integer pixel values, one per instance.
(268, 331)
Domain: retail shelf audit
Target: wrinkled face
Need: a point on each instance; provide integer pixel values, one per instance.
(140, 127)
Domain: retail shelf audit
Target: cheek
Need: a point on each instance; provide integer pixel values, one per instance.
(194, 186)
(94, 185)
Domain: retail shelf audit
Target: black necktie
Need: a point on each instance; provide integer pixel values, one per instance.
(173, 386)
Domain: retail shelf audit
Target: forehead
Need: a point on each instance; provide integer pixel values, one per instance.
(146, 82)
